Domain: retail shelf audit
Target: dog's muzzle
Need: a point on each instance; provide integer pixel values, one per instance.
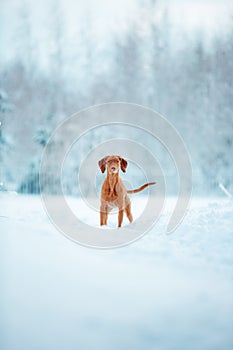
(113, 170)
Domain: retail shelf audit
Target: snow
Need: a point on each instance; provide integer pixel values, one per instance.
(161, 292)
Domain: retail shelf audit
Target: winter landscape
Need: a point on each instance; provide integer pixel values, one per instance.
(161, 292)
(158, 291)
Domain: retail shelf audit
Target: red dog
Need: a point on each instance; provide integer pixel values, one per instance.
(113, 192)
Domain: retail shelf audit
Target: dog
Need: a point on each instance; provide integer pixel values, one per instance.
(113, 192)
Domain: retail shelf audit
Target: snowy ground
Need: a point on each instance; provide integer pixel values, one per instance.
(161, 292)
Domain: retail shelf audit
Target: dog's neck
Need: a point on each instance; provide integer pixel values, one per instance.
(112, 179)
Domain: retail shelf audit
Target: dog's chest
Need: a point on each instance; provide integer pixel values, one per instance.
(112, 196)
(112, 192)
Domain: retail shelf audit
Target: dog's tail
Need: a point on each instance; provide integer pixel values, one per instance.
(141, 188)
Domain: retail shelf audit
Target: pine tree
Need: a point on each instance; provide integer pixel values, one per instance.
(5, 141)
(30, 183)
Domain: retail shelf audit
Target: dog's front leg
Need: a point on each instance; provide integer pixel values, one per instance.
(103, 214)
(120, 217)
(121, 212)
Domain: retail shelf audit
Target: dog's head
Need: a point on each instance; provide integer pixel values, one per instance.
(113, 164)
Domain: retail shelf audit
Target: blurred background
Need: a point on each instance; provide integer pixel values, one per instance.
(163, 292)
(60, 56)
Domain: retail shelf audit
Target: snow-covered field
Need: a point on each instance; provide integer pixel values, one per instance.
(161, 292)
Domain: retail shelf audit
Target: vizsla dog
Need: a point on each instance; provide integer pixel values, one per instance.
(113, 192)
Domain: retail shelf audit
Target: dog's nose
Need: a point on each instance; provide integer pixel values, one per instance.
(113, 168)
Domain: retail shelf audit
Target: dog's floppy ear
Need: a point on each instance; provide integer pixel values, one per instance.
(102, 164)
(124, 164)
